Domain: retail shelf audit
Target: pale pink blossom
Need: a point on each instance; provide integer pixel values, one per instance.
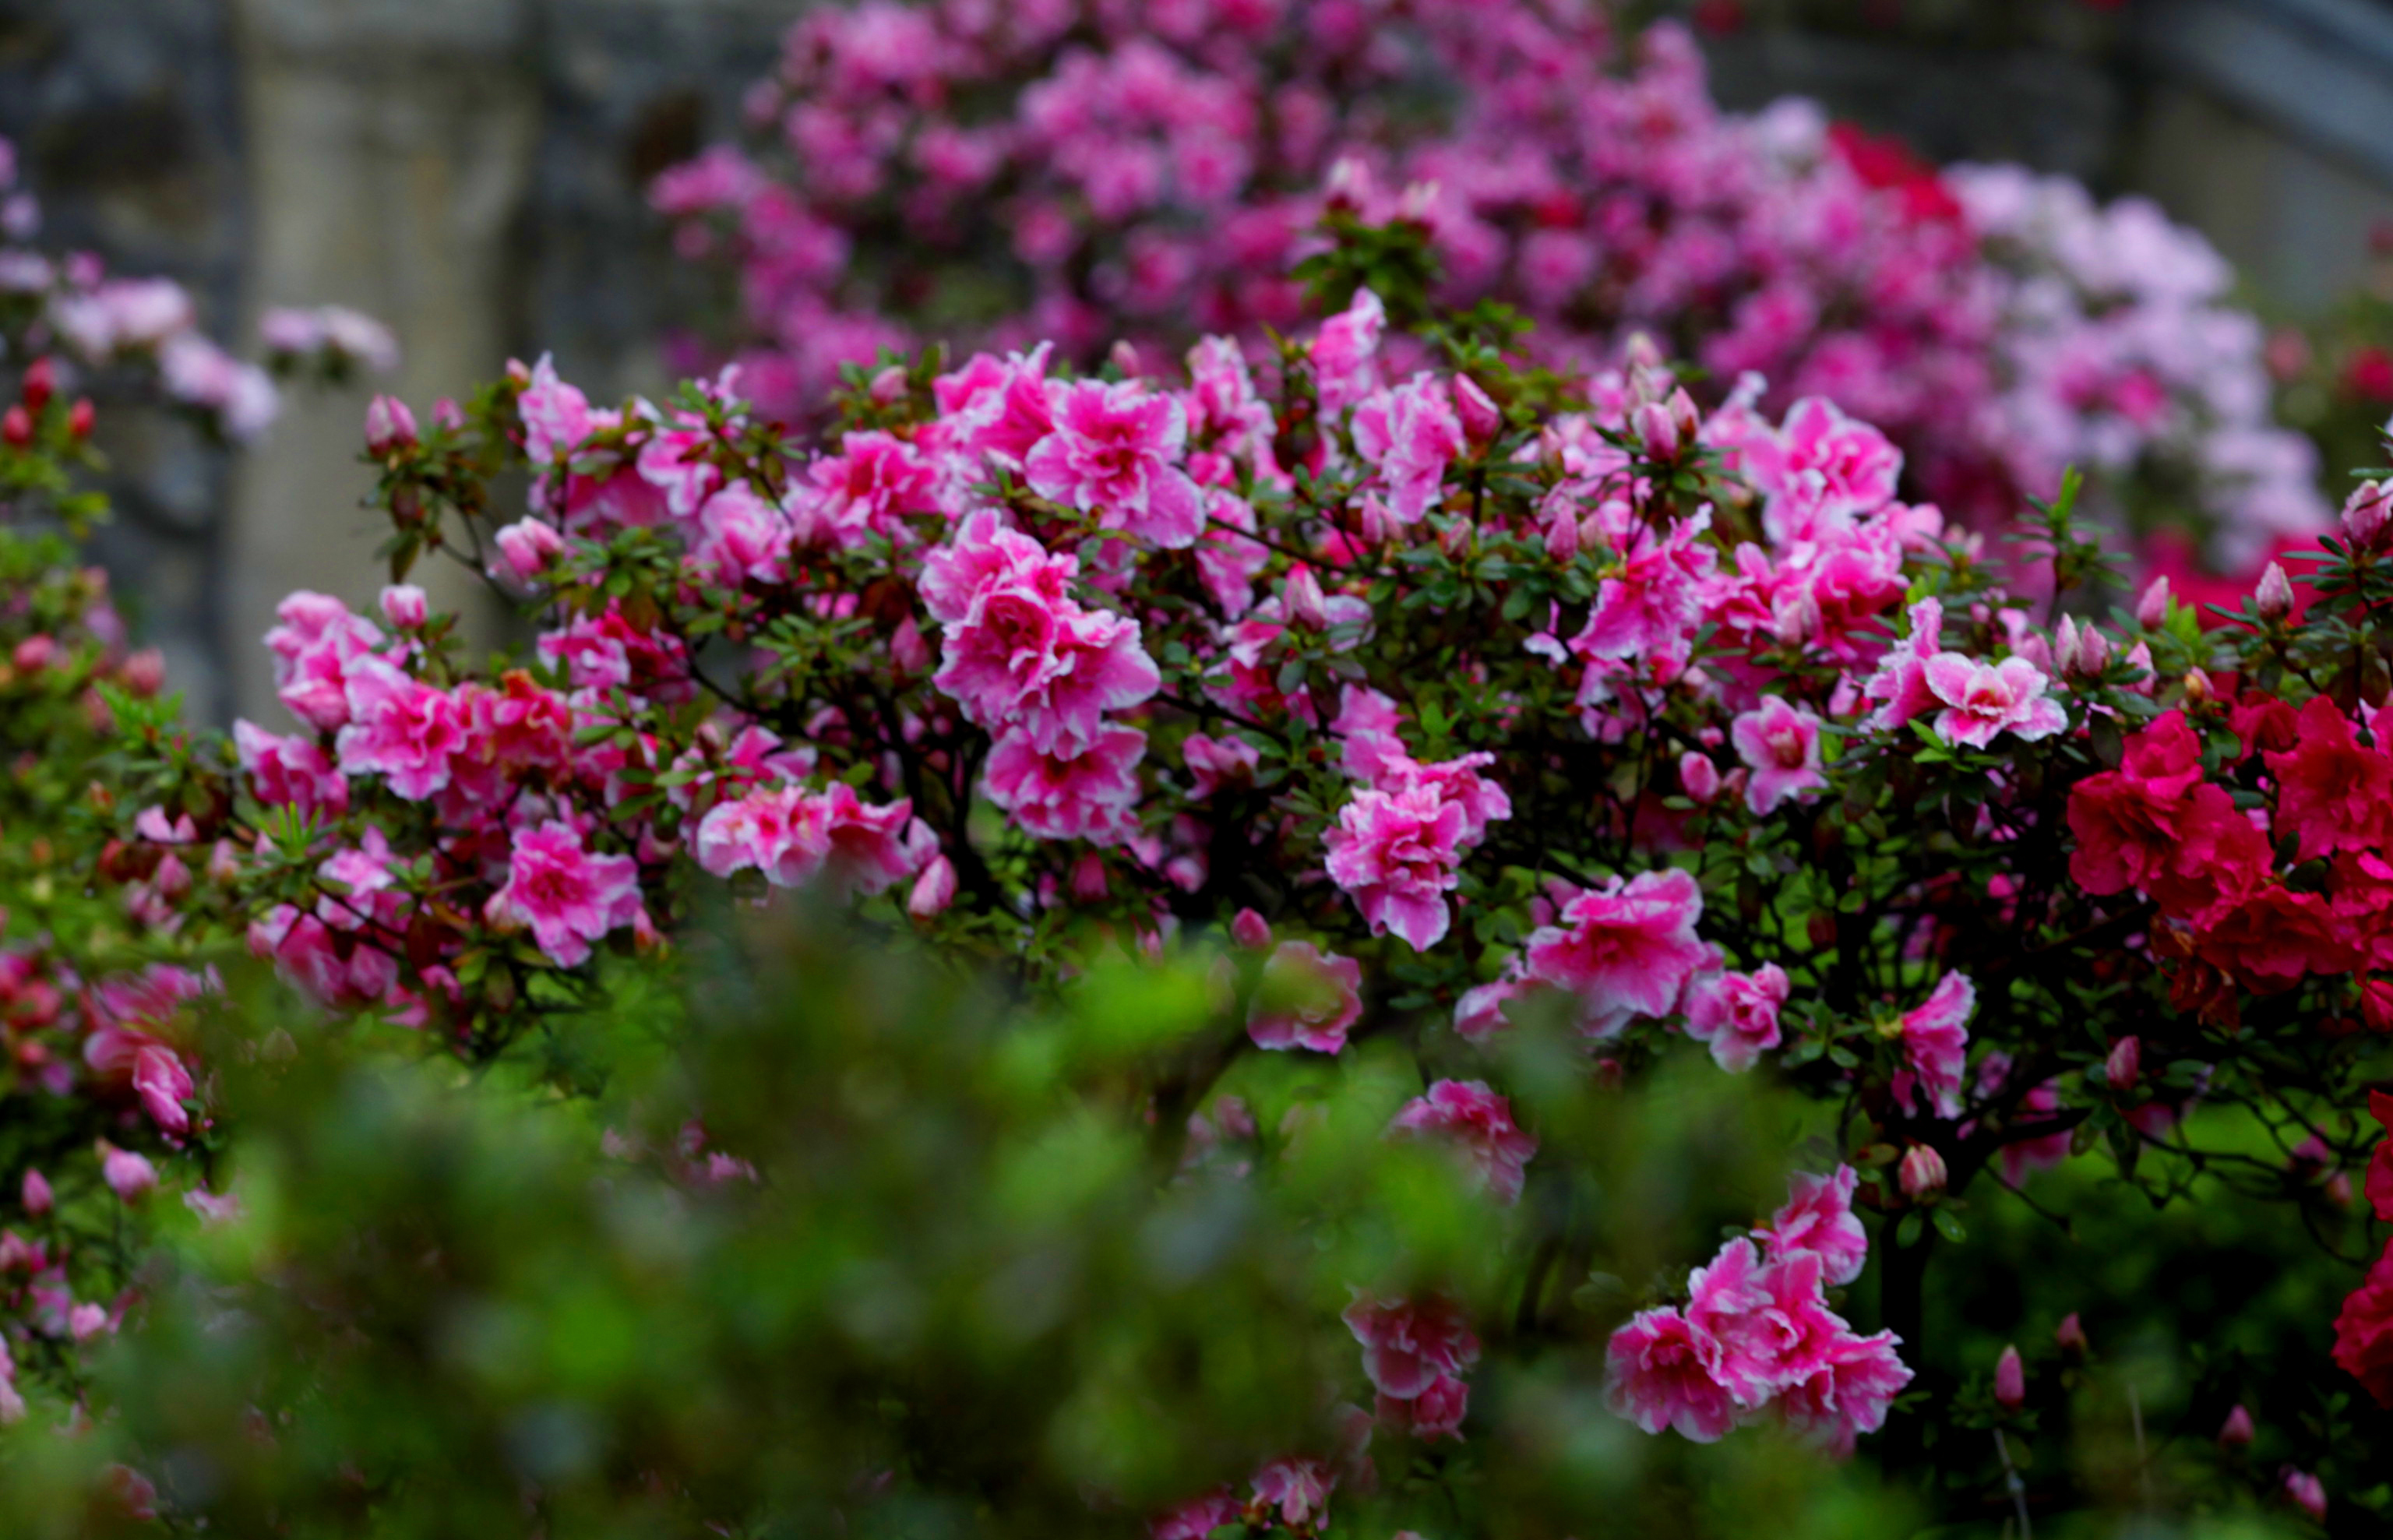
(1781, 744)
(1305, 998)
(1409, 436)
(1296, 1490)
(1737, 1014)
(740, 538)
(565, 895)
(1116, 450)
(526, 548)
(1821, 470)
(1479, 1123)
(1981, 701)
(866, 848)
(1935, 1038)
(774, 830)
(1214, 764)
(1900, 682)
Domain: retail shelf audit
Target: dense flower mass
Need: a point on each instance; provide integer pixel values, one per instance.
(1151, 172)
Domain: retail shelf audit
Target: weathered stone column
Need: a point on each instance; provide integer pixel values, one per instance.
(390, 147)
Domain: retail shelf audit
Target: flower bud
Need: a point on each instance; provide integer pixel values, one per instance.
(1250, 929)
(519, 373)
(2125, 1066)
(1698, 776)
(2152, 610)
(1304, 603)
(390, 427)
(36, 1192)
(128, 1175)
(2063, 652)
(1921, 1173)
(888, 386)
(144, 673)
(2274, 598)
(527, 546)
(1640, 352)
(2366, 512)
(2140, 658)
(1685, 415)
(80, 419)
(1562, 535)
(1124, 357)
(17, 428)
(2093, 651)
(41, 383)
(2010, 1380)
(2236, 1431)
(2307, 1492)
(1655, 432)
(34, 653)
(1481, 419)
(2069, 1337)
(2197, 687)
(934, 890)
(404, 606)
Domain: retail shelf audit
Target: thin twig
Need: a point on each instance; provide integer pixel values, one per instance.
(2018, 1488)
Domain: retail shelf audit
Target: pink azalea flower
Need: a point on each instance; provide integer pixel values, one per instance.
(1478, 1122)
(1850, 1385)
(872, 486)
(1116, 450)
(1297, 1490)
(1782, 1334)
(1456, 780)
(1409, 436)
(1305, 998)
(866, 848)
(129, 1176)
(1737, 1014)
(290, 772)
(1091, 795)
(1199, 1520)
(1408, 1344)
(1345, 354)
(774, 830)
(526, 548)
(1821, 470)
(1655, 1377)
(1982, 699)
(400, 729)
(557, 416)
(997, 406)
(313, 647)
(1781, 744)
(1436, 1413)
(1395, 855)
(567, 897)
(1936, 1044)
(1625, 949)
(1818, 1219)
(1217, 763)
(163, 1085)
(740, 538)
(1900, 682)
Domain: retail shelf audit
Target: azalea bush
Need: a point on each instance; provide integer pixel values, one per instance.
(1090, 174)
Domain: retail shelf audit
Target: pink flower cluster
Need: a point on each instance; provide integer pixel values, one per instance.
(1756, 1336)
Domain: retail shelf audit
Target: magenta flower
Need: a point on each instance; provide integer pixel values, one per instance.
(1407, 1345)
(1851, 1384)
(290, 772)
(1818, 1218)
(1091, 795)
(1409, 436)
(1781, 744)
(995, 407)
(1900, 682)
(557, 416)
(313, 647)
(1737, 1014)
(1297, 1490)
(1479, 1123)
(740, 538)
(1625, 949)
(1821, 470)
(1936, 1045)
(1345, 354)
(872, 486)
(163, 1085)
(1116, 452)
(567, 897)
(1395, 855)
(866, 848)
(400, 729)
(1655, 1377)
(1305, 998)
(1982, 700)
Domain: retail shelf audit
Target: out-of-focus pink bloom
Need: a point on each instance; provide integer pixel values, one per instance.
(1199, 1520)
(1298, 1491)
(2236, 1431)
(1737, 1014)
(1478, 1122)
(527, 546)
(1305, 998)
(1698, 776)
(314, 644)
(2011, 1378)
(934, 890)
(2306, 1491)
(35, 1192)
(1408, 1344)
(1936, 1045)
(163, 1085)
(128, 1175)
(2123, 1066)
(565, 895)
(1345, 354)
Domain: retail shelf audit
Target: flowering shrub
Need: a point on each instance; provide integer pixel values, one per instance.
(1087, 173)
(1444, 723)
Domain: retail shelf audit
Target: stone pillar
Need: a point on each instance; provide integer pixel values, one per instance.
(390, 147)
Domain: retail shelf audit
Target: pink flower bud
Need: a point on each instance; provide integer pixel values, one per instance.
(2064, 647)
(2307, 1492)
(1090, 883)
(2010, 1380)
(2274, 598)
(934, 890)
(888, 386)
(1250, 929)
(1481, 419)
(2093, 651)
(1656, 432)
(36, 1191)
(2140, 658)
(2071, 1337)
(2236, 1431)
(1640, 352)
(1698, 776)
(1922, 1172)
(144, 673)
(2366, 512)
(2125, 1066)
(446, 412)
(389, 425)
(1124, 357)
(128, 1175)
(1562, 535)
(1685, 415)
(403, 604)
(1305, 604)
(33, 654)
(2152, 610)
